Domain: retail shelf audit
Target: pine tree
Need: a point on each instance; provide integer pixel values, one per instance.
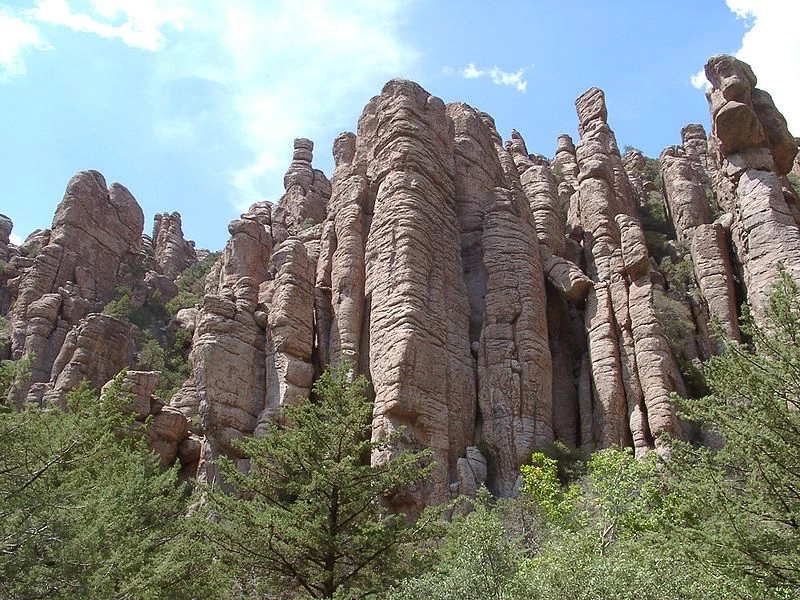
(742, 500)
(310, 515)
(86, 513)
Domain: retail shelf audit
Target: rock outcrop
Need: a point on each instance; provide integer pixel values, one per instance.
(631, 366)
(496, 301)
(92, 248)
(171, 251)
(688, 190)
(753, 149)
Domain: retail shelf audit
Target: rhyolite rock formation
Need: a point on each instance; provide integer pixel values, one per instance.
(171, 251)
(753, 149)
(497, 301)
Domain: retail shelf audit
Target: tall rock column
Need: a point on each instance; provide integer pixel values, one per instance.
(686, 187)
(307, 192)
(172, 252)
(630, 363)
(228, 384)
(754, 148)
(418, 327)
(345, 265)
(505, 290)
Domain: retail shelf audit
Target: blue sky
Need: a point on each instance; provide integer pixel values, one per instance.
(193, 104)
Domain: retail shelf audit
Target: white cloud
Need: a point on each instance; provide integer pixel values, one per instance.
(137, 23)
(287, 69)
(14, 239)
(16, 37)
(772, 47)
(276, 70)
(498, 76)
(699, 80)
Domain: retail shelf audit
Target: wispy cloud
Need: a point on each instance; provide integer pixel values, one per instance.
(14, 239)
(288, 69)
(515, 80)
(261, 72)
(17, 37)
(772, 47)
(137, 23)
(699, 80)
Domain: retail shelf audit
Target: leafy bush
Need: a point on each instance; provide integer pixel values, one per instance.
(14, 373)
(795, 181)
(740, 500)
(676, 322)
(654, 214)
(558, 172)
(679, 274)
(191, 284)
(120, 306)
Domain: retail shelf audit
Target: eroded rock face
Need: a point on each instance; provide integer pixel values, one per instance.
(497, 301)
(753, 148)
(172, 252)
(631, 367)
(92, 248)
(689, 191)
(419, 354)
(307, 192)
(96, 350)
(5, 231)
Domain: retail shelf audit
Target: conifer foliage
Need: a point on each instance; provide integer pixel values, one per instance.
(85, 511)
(310, 514)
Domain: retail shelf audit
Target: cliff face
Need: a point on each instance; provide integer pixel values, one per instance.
(496, 301)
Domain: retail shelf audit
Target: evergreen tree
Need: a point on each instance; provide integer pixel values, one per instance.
(86, 513)
(742, 500)
(310, 515)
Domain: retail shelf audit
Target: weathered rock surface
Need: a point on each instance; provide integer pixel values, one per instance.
(493, 298)
(168, 428)
(688, 190)
(307, 192)
(419, 353)
(629, 373)
(95, 351)
(753, 148)
(92, 248)
(5, 231)
(172, 252)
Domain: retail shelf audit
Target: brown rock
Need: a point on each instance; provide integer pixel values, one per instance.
(93, 245)
(564, 275)
(348, 200)
(418, 328)
(307, 193)
(172, 252)
(95, 351)
(714, 274)
(5, 231)
(291, 329)
(616, 313)
(764, 230)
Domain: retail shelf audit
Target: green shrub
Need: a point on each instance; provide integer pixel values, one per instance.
(676, 322)
(679, 275)
(795, 181)
(558, 172)
(191, 284)
(120, 306)
(653, 214)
